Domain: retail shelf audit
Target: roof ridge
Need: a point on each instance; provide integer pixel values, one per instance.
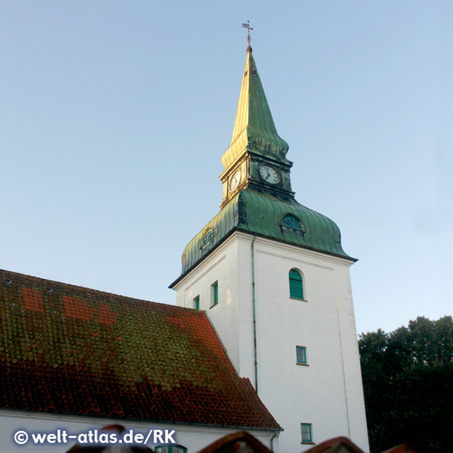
(91, 290)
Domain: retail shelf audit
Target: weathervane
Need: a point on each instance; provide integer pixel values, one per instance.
(247, 26)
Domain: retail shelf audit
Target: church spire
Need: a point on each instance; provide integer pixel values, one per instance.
(254, 129)
(257, 196)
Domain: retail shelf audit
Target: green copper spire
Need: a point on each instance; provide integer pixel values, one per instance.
(254, 128)
(257, 195)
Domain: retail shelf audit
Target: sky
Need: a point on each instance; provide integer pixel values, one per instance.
(114, 116)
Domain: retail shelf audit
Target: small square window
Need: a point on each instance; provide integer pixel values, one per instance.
(307, 437)
(301, 355)
(215, 293)
(196, 303)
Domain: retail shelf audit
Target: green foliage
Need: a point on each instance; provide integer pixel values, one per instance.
(408, 385)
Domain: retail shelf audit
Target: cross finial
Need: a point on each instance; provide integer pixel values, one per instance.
(247, 26)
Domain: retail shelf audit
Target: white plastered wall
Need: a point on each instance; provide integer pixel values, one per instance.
(328, 392)
(232, 317)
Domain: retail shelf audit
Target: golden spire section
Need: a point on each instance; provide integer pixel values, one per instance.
(254, 128)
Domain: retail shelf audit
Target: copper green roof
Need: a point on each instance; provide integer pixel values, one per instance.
(262, 211)
(254, 123)
(263, 215)
(71, 350)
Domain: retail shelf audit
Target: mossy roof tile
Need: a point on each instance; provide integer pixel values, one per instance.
(73, 350)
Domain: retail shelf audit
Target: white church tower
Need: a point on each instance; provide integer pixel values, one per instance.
(274, 280)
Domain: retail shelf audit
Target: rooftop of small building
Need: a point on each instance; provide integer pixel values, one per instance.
(66, 349)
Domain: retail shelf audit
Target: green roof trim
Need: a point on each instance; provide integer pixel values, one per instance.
(261, 214)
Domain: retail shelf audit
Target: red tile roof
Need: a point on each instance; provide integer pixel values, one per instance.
(73, 350)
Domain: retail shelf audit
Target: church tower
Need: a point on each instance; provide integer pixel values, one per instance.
(274, 280)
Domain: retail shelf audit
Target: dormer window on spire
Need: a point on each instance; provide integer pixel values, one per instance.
(208, 237)
(289, 221)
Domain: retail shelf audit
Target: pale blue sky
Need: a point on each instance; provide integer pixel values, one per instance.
(114, 116)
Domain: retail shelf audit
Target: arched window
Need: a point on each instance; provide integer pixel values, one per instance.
(296, 287)
(209, 236)
(289, 221)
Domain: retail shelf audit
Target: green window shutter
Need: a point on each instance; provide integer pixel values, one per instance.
(296, 290)
(215, 293)
(306, 432)
(196, 303)
(301, 354)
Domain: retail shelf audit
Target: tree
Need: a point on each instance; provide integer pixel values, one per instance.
(408, 385)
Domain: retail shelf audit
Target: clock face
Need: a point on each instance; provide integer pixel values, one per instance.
(235, 180)
(269, 174)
